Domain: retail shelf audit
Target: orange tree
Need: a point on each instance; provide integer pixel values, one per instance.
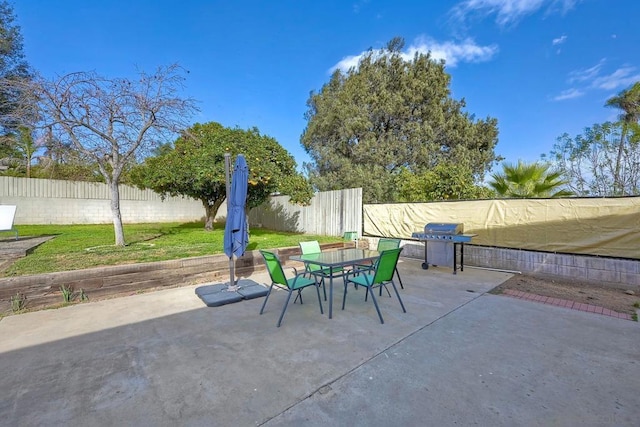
(193, 166)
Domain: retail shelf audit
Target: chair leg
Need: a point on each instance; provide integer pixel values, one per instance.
(373, 297)
(319, 300)
(384, 285)
(399, 279)
(324, 288)
(284, 308)
(344, 295)
(404, 310)
(266, 298)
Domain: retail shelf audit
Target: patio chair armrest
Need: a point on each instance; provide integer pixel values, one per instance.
(351, 272)
(359, 268)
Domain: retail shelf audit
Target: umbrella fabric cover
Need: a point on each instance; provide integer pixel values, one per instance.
(236, 237)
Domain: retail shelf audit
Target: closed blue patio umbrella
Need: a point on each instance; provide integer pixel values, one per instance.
(236, 236)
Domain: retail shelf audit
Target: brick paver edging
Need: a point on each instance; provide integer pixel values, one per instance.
(566, 303)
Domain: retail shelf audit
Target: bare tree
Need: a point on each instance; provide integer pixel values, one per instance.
(629, 102)
(112, 121)
(595, 165)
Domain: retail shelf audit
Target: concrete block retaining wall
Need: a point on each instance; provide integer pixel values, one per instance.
(608, 271)
(43, 290)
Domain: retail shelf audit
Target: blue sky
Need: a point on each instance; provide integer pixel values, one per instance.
(541, 67)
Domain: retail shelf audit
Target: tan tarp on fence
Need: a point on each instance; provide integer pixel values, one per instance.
(602, 226)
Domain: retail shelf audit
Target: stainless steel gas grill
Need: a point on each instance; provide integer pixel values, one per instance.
(440, 244)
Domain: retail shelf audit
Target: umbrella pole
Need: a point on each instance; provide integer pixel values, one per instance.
(232, 287)
(232, 275)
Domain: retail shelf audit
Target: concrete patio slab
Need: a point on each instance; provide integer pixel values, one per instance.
(458, 355)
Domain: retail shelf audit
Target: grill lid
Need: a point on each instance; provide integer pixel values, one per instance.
(443, 228)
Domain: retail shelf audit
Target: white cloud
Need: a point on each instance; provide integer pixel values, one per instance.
(451, 52)
(346, 63)
(568, 94)
(588, 74)
(359, 5)
(508, 12)
(559, 40)
(620, 78)
(592, 79)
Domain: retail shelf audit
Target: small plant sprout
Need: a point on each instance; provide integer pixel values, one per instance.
(83, 295)
(18, 302)
(67, 293)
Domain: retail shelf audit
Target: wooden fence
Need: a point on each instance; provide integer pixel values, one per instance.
(330, 213)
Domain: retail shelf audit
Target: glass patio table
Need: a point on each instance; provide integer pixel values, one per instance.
(333, 260)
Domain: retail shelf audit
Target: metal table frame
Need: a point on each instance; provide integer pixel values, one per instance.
(340, 258)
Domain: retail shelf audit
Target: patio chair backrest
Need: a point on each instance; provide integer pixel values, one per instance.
(311, 247)
(386, 244)
(350, 235)
(386, 265)
(275, 268)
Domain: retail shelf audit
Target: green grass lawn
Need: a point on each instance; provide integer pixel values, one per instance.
(84, 246)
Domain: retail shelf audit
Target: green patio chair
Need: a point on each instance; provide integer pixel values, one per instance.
(380, 275)
(313, 247)
(351, 236)
(278, 278)
(383, 245)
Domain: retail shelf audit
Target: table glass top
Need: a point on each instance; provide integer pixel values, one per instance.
(339, 257)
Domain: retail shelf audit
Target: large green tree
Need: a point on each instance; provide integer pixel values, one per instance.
(529, 180)
(595, 162)
(194, 167)
(629, 102)
(389, 115)
(446, 181)
(13, 66)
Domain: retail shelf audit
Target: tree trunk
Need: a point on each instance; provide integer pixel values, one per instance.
(617, 187)
(115, 211)
(210, 213)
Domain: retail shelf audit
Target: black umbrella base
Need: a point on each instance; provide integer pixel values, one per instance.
(217, 295)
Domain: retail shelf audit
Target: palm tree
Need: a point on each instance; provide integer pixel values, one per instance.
(529, 180)
(629, 102)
